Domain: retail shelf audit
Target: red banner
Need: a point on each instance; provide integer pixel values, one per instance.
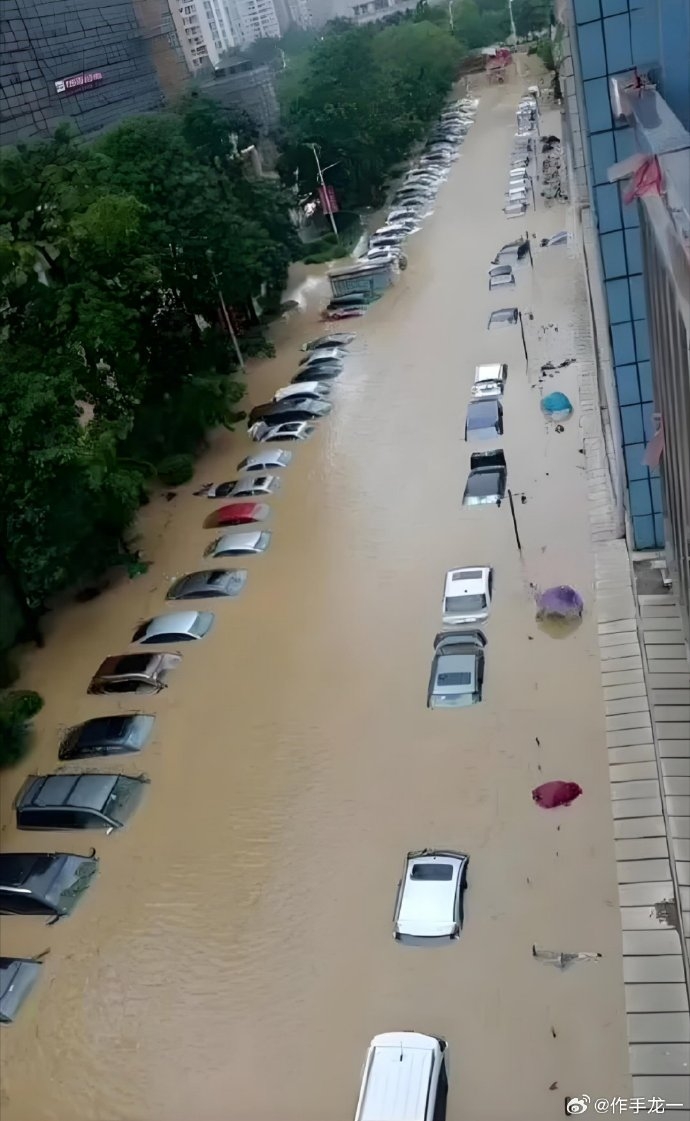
(328, 200)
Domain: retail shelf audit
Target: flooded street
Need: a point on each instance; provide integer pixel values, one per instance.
(235, 956)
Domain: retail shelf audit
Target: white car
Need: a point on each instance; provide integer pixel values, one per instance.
(467, 595)
(489, 381)
(289, 430)
(239, 543)
(404, 1078)
(248, 486)
(315, 389)
(179, 626)
(429, 905)
(265, 461)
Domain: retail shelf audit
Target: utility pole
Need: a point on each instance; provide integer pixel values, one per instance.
(226, 317)
(322, 183)
(451, 18)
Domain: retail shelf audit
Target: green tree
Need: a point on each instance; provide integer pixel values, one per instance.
(531, 15)
(480, 25)
(363, 96)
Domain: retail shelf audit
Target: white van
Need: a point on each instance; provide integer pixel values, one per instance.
(404, 1079)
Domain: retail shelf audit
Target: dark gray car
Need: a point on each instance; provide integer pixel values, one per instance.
(91, 801)
(487, 480)
(17, 978)
(107, 735)
(43, 883)
(484, 420)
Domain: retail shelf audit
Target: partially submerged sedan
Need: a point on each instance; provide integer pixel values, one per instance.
(133, 673)
(246, 487)
(17, 978)
(88, 801)
(487, 378)
(106, 735)
(179, 626)
(467, 596)
(429, 905)
(313, 390)
(343, 339)
(327, 372)
(323, 354)
(268, 460)
(43, 883)
(487, 480)
(484, 419)
(238, 544)
(237, 513)
(501, 276)
(293, 430)
(457, 671)
(282, 412)
(210, 583)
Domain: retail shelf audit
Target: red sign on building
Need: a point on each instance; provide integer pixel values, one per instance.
(328, 199)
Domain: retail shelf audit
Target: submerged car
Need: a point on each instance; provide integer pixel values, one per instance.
(487, 480)
(293, 430)
(43, 883)
(237, 513)
(467, 596)
(323, 354)
(133, 673)
(179, 626)
(514, 209)
(503, 317)
(353, 312)
(501, 276)
(457, 670)
(489, 374)
(429, 903)
(92, 801)
(327, 372)
(343, 339)
(313, 390)
(238, 544)
(281, 412)
(267, 460)
(106, 735)
(484, 419)
(246, 487)
(209, 583)
(17, 978)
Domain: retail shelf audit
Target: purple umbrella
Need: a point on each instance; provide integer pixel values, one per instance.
(561, 602)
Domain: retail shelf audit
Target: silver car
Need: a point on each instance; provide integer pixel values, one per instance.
(239, 543)
(179, 626)
(457, 671)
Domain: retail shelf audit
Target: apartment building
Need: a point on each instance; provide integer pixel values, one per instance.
(206, 29)
(626, 82)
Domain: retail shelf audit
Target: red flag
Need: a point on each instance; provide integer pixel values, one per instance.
(328, 199)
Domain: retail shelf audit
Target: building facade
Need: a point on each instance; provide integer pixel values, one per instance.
(626, 84)
(68, 60)
(240, 85)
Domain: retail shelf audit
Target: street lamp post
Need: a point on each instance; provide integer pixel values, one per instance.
(226, 315)
(513, 32)
(322, 183)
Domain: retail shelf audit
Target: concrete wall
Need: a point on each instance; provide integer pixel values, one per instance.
(45, 41)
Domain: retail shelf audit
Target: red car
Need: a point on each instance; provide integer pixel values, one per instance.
(238, 513)
(344, 312)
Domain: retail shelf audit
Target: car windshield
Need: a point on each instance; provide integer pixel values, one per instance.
(482, 415)
(465, 605)
(432, 872)
(484, 482)
(123, 799)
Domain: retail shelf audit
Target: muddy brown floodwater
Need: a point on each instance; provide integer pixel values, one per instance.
(235, 956)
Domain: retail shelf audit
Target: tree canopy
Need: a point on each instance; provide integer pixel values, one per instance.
(363, 95)
(113, 256)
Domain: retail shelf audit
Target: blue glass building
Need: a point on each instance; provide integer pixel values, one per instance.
(612, 47)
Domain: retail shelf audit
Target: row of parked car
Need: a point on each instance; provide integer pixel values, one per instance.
(51, 883)
(414, 199)
(405, 1073)
(520, 186)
